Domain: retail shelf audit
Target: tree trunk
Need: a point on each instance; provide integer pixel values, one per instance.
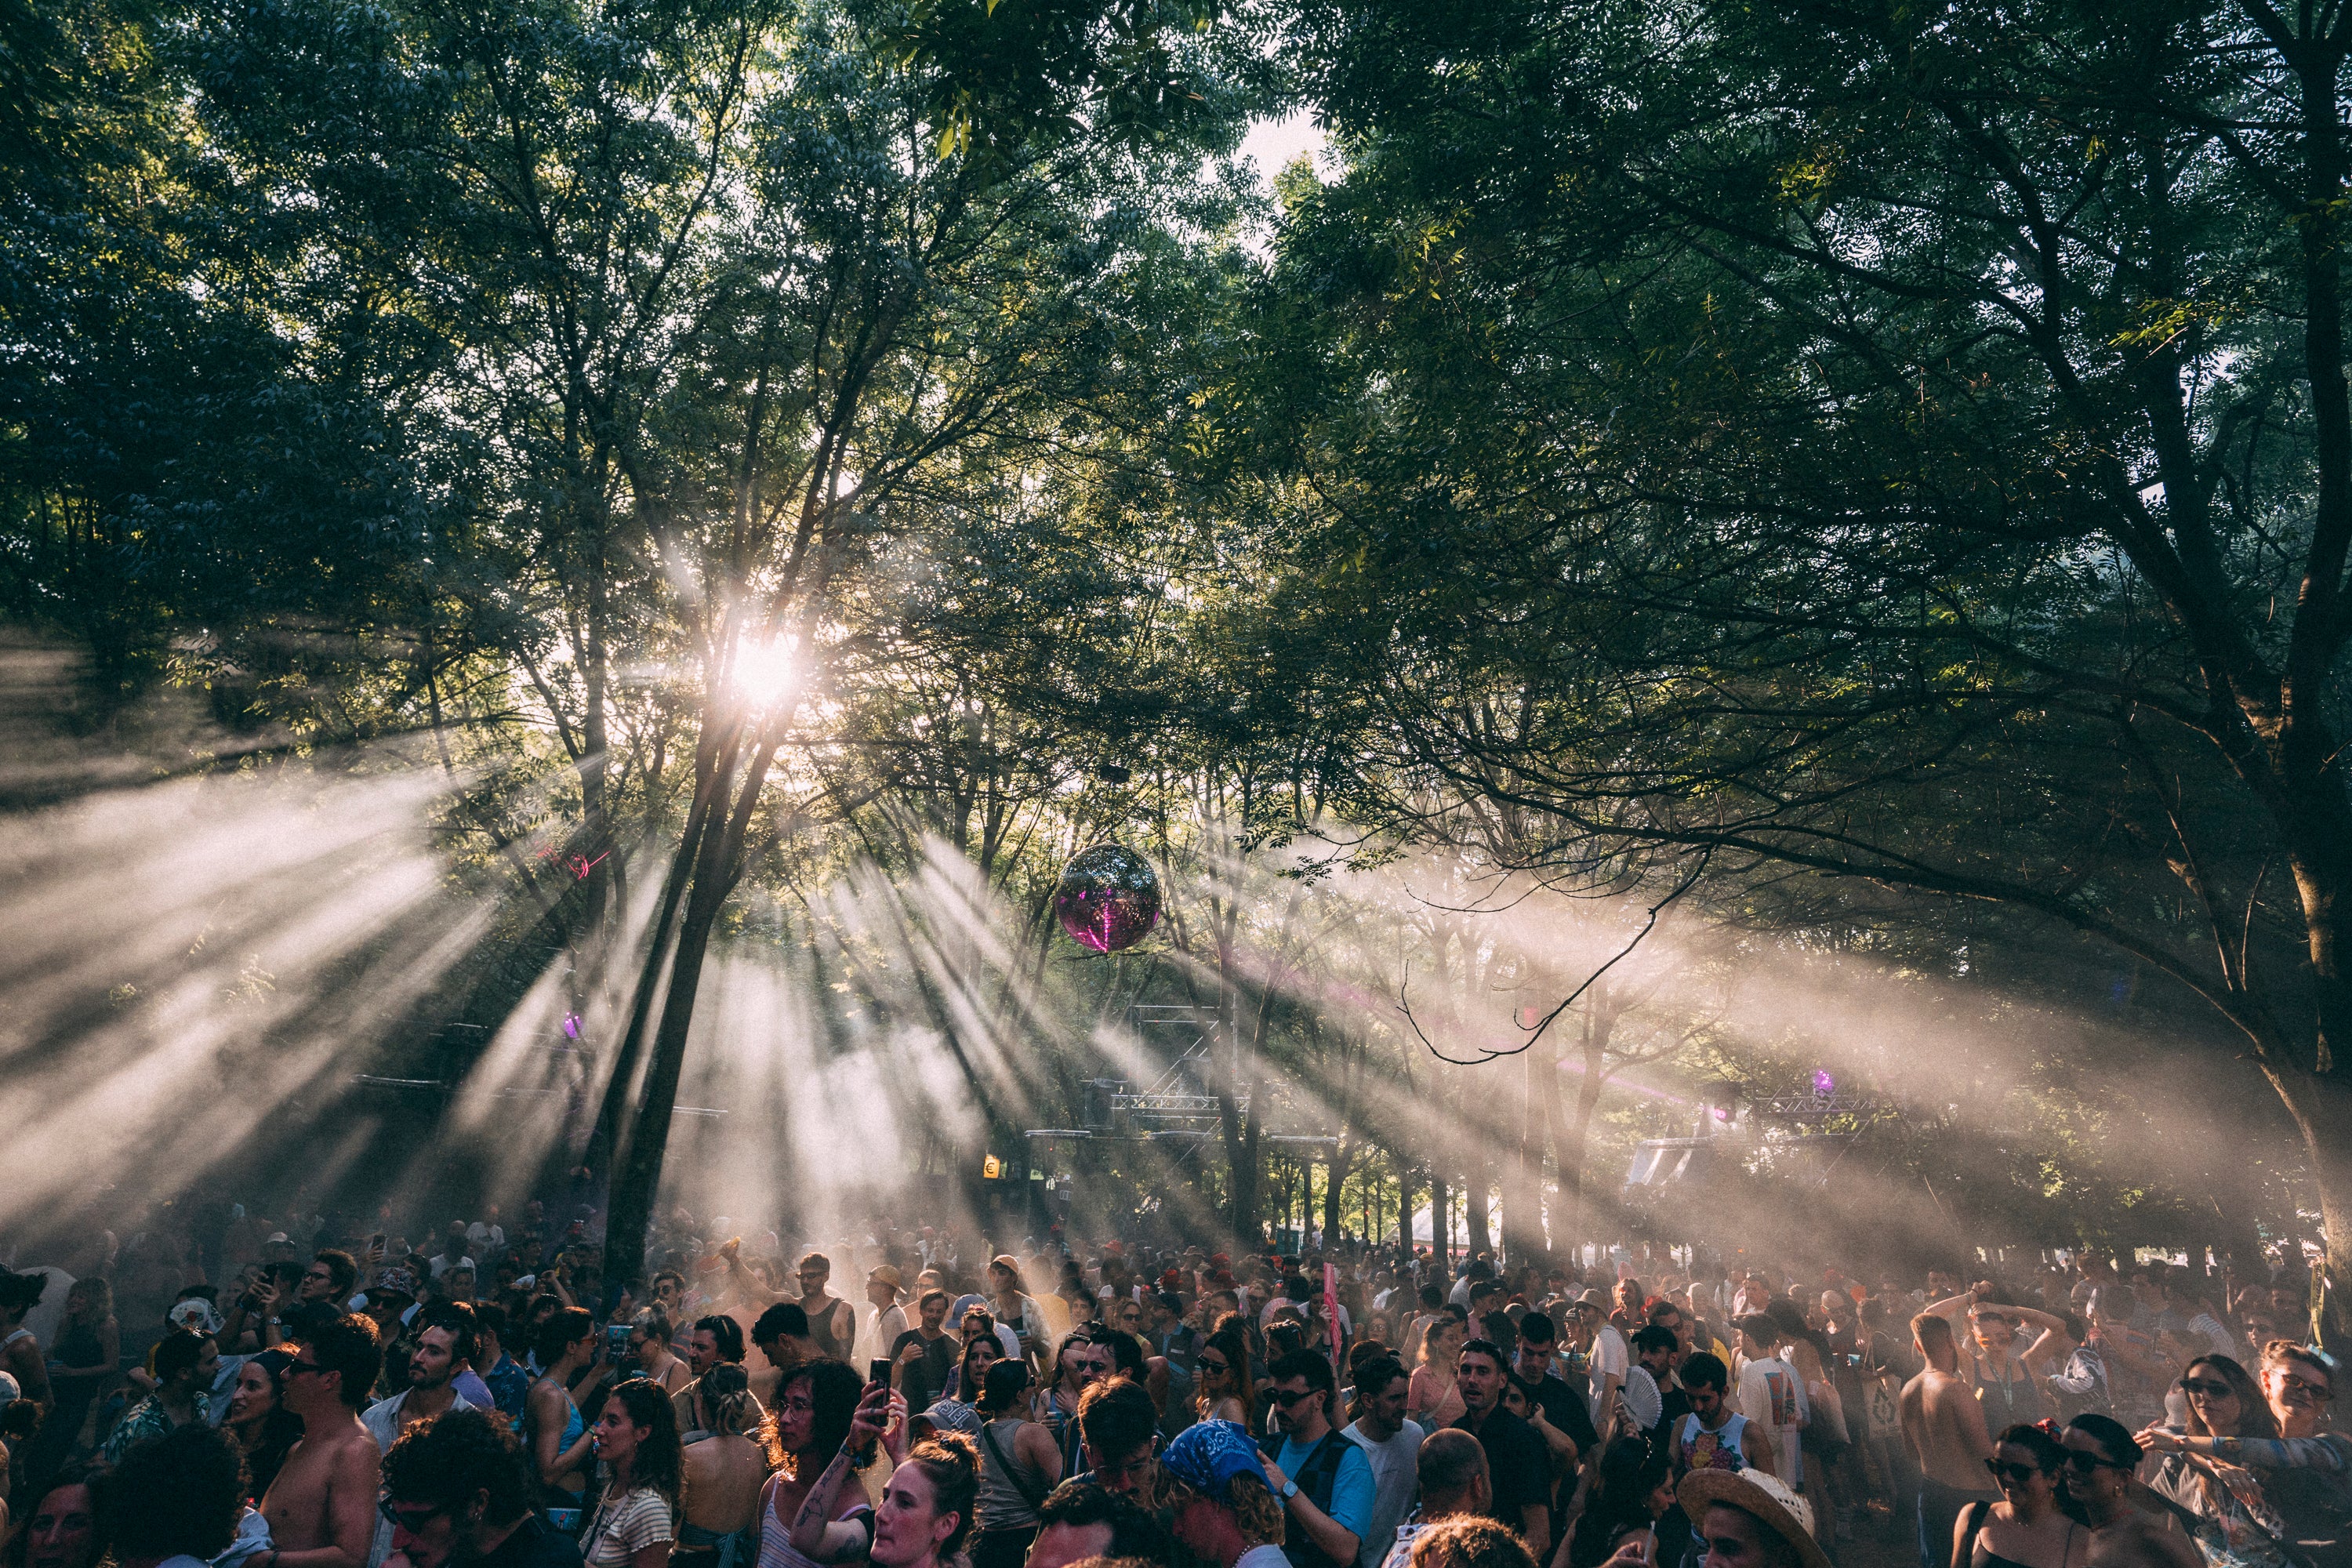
(637, 1162)
(1477, 1189)
(2322, 1108)
(1336, 1182)
(1595, 1042)
(1556, 1232)
(1522, 1168)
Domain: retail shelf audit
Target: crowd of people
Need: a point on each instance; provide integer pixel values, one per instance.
(299, 1394)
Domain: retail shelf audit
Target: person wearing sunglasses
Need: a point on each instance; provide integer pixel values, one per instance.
(2304, 1467)
(459, 1488)
(321, 1506)
(2101, 1458)
(1324, 1479)
(1223, 1391)
(2221, 1503)
(2025, 1529)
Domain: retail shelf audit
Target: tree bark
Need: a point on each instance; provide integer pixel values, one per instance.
(1522, 1171)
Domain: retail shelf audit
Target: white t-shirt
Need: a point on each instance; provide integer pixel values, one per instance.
(1772, 1396)
(1395, 1477)
(1609, 1354)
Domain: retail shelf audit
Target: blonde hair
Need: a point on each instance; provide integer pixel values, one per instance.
(2279, 1352)
(1258, 1511)
(1468, 1541)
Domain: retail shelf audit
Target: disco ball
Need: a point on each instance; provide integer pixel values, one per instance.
(1108, 898)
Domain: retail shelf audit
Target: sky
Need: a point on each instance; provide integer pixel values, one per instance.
(1275, 143)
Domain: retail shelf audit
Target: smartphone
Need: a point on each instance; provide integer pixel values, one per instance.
(878, 1371)
(616, 1342)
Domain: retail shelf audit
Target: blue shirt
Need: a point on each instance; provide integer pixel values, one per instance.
(1352, 1492)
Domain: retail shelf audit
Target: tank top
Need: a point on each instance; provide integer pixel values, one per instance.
(554, 1496)
(776, 1533)
(2009, 1402)
(821, 1333)
(1002, 1504)
(1718, 1450)
(1704, 1450)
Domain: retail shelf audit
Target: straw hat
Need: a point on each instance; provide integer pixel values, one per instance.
(1762, 1494)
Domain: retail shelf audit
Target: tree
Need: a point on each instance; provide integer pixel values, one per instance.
(1908, 450)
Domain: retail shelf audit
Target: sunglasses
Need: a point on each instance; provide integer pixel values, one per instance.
(411, 1520)
(2291, 1384)
(293, 1367)
(2206, 1388)
(2084, 1463)
(1214, 1366)
(1287, 1400)
(2010, 1474)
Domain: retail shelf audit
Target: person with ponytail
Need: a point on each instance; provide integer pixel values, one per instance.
(927, 1507)
(726, 1470)
(2101, 1462)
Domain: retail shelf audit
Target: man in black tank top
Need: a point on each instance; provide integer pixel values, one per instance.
(832, 1322)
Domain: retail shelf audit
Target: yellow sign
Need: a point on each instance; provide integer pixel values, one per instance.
(992, 1168)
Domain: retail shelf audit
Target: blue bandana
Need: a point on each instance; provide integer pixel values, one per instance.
(1207, 1456)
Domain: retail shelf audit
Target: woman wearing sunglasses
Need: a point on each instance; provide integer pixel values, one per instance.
(2025, 1529)
(2101, 1457)
(1224, 1392)
(2305, 1469)
(2221, 1503)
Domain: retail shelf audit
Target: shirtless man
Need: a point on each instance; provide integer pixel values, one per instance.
(1944, 1427)
(322, 1508)
(2100, 1459)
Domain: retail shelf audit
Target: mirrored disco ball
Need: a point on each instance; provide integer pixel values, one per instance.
(1108, 898)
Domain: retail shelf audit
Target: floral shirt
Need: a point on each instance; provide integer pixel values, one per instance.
(147, 1421)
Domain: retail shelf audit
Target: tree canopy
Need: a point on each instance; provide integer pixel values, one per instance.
(1684, 501)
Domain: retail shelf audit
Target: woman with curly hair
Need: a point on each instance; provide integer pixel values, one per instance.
(634, 1521)
(1225, 1510)
(815, 1441)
